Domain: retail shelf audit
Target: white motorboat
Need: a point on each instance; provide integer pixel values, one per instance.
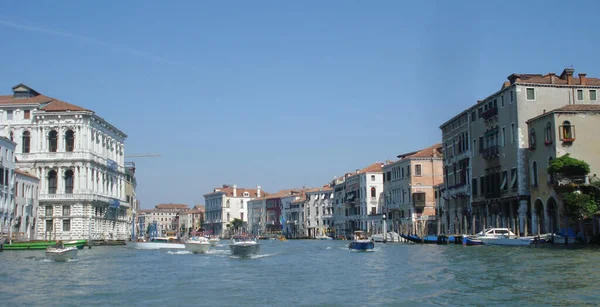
(155, 243)
(197, 245)
(503, 236)
(391, 237)
(244, 246)
(61, 253)
(214, 241)
(324, 237)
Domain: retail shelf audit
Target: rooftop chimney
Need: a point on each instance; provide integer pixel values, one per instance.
(552, 77)
(234, 190)
(258, 191)
(568, 73)
(582, 79)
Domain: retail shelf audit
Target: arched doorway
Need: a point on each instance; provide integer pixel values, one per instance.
(552, 210)
(538, 210)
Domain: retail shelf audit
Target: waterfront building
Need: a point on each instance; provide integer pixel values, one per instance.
(257, 209)
(339, 196)
(7, 184)
(274, 210)
(26, 205)
(79, 158)
(552, 135)
(409, 189)
(440, 206)
(165, 216)
(141, 227)
(225, 204)
(318, 209)
(500, 164)
(196, 217)
(293, 211)
(456, 216)
(130, 191)
(359, 208)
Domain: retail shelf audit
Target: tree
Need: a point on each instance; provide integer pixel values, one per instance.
(578, 206)
(236, 224)
(568, 166)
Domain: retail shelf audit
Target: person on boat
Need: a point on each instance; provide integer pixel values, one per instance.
(59, 244)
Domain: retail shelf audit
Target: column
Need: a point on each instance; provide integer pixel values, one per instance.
(523, 216)
(534, 223)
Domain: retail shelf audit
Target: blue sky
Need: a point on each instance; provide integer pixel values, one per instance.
(281, 93)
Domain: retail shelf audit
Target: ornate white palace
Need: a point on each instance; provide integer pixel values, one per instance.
(79, 158)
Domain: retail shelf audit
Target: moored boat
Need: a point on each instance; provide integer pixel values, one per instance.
(470, 241)
(197, 245)
(60, 252)
(244, 246)
(156, 243)
(503, 236)
(361, 242)
(79, 244)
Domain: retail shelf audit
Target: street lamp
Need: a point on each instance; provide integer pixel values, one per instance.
(384, 228)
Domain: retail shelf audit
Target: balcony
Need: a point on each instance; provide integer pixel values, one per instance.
(69, 156)
(491, 152)
(493, 111)
(89, 197)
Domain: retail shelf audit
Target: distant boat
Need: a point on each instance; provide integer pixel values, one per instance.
(214, 241)
(155, 243)
(361, 242)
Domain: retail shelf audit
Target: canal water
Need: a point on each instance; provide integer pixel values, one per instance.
(306, 273)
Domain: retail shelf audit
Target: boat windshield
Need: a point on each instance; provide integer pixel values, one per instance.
(243, 239)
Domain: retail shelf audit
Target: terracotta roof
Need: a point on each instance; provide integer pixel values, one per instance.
(24, 173)
(52, 104)
(284, 193)
(326, 187)
(228, 191)
(571, 108)
(552, 78)
(58, 106)
(434, 151)
(171, 206)
(39, 99)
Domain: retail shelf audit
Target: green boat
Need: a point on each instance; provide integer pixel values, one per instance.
(42, 244)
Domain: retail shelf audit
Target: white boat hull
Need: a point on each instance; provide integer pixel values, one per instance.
(506, 241)
(155, 245)
(62, 254)
(197, 247)
(244, 249)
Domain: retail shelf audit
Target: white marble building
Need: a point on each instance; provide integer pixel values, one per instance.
(257, 215)
(318, 209)
(225, 204)
(79, 158)
(7, 183)
(26, 205)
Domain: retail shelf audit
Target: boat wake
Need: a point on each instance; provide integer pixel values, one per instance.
(179, 253)
(50, 260)
(252, 256)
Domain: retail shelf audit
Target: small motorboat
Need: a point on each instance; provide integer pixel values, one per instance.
(503, 236)
(60, 252)
(361, 242)
(214, 241)
(244, 246)
(197, 245)
(470, 241)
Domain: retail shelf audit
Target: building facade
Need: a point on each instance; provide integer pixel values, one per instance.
(26, 205)
(571, 129)
(318, 210)
(257, 209)
(500, 143)
(7, 185)
(79, 158)
(225, 204)
(409, 191)
(165, 216)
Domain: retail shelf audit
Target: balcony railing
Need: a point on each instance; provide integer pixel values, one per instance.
(493, 111)
(83, 197)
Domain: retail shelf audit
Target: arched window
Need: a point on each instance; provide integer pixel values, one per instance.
(70, 140)
(568, 133)
(52, 141)
(69, 182)
(534, 174)
(373, 192)
(532, 138)
(548, 134)
(26, 142)
(52, 182)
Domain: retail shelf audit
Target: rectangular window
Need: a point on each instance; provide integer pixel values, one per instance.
(504, 185)
(592, 94)
(372, 177)
(511, 96)
(473, 116)
(481, 144)
(513, 176)
(503, 136)
(26, 114)
(482, 185)
(48, 210)
(513, 133)
(579, 95)
(66, 210)
(502, 101)
(474, 186)
(530, 93)
(418, 170)
(66, 225)
(474, 147)
(48, 225)
(9, 115)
